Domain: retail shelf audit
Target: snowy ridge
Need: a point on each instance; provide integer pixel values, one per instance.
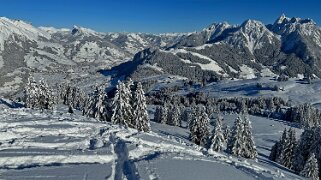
(77, 30)
(17, 27)
(52, 30)
(251, 34)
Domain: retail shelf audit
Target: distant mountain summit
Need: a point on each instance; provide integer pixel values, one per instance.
(290, 46)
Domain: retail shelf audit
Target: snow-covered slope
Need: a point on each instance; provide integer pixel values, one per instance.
(25, 49)
(10, 27)
(290, 46)
(57, 145)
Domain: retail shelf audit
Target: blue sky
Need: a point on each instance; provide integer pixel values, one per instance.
(155, 16)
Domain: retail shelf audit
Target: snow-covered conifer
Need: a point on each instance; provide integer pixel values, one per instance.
(217, 140)
(174, 116)
(288, 149)
(186, 115)
(311, 168)
(39, 95)
(163, 116)
(250, 148)
(96, 106)
(281, 145)
(199, 126)
(140, 115)
(236, 142)
(308, 141)
(241, 142)
(274, 151)
(122, 109)
(31, 93)
(227, 132)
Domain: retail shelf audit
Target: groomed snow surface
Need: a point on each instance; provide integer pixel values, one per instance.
(58, 145)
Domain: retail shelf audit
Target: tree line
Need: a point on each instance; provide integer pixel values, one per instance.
(127, 108)
(303, 156)
(237, 141)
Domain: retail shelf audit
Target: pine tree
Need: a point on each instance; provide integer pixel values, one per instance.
(311, 168)
(140, 110)
(274, 151)
(186, 115)
(97, 105)
(288, 149)
(241, 142)
(101, 106)
(227, 132)
(281, 146)
(122, 109)
(199, 126)
(236, 142)
(164, 112)
(204, 129)
(218, 139)
(304, 148)
(31, 93)
(250, 148)
(39, 95)
(73, 96)
(174, 116)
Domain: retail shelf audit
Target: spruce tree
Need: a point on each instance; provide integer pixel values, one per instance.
(31, 90)
(304, 148)
(288, 149)
(311, 168)
(199, 126)
(204, 129)
(97, 105)
(186, 115)
(236, 142)
(218, 139)
(122, 109)
(38, 95)
(227, 132)
(140, 113)
(274, 151)
(174, 116)
(250, 148)
(164, 112)
(101, 111)
(241, 142)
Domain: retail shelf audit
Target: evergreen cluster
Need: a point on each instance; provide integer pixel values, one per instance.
(302, 156)
(38, 95)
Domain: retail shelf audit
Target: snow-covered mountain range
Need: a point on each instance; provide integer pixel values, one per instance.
(290, 46)
(25, 49)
